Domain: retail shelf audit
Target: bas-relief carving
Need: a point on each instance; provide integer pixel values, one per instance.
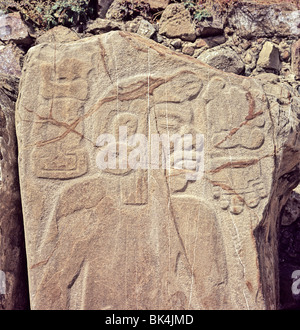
(171, 109)
(236, 178)
(60, 154)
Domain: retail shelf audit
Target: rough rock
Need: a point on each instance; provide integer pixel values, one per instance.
(211, 41)
(146, 29)
(155, 4)
(13, 28)
(269, 57)
(176, 22)
(13, 273)
(103, 25)
(117, 5)
(143, 237)
(177, 43)
(188, 50)
(223, 58)
(291, 210)
(296, 59)
(208, 28)
(58, 34)
(253, 20)
(9, 61)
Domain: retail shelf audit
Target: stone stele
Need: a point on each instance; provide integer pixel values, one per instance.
(147, 238)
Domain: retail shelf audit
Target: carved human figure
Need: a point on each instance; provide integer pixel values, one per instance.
(162, 244)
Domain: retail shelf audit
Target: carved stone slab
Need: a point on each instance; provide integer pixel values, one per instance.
(144, 238)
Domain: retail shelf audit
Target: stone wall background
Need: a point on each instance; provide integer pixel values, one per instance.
(249, 39)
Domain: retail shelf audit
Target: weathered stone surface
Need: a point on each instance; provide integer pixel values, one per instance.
(253, 20)
(13, 28)
(58, 34)
(155, 4)
(208, 28)
(223, 58)
(146, 29)
(149, 238)
(291, 210)
(296, 59)
(176, 22)
(269, 57)
(9, 61)
(13, 272)
(114, 8)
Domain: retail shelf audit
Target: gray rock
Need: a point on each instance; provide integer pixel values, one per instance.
(223, 58)
(103, 6)
(13, 28)
(258, 20)
(146, 29)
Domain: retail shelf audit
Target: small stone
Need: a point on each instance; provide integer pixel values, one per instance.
(285, 55)
(155, 4)
(208, 28)
(199, 43)
(223, 58)
(146, 29)
(9, 61)
(176, 22)
(103, 25)
(159, 38)
(188, 50)
(248, 58)
(269, 57)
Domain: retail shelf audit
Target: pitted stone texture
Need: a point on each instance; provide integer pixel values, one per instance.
(147, 238)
